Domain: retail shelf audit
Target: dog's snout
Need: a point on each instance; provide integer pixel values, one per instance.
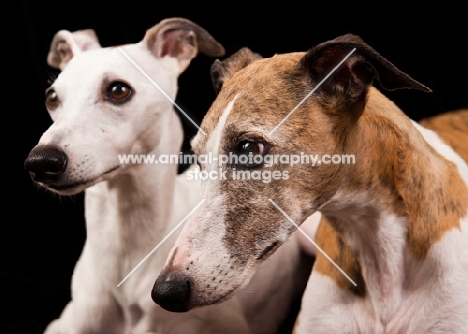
(172, 292)
(45, 163)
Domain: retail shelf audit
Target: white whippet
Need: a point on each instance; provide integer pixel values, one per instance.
(394, 221)
(102, 106)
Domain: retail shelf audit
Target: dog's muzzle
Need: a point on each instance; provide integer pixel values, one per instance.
(45, 163)
(172, 292)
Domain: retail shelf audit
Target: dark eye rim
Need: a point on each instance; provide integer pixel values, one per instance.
(50, 106)
(108, 96)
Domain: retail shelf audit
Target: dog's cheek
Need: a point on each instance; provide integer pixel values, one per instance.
(252, 223)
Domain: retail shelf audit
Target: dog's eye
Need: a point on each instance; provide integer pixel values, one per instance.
(250, 147)
(52, 99)
(119, 92)
(250, 153)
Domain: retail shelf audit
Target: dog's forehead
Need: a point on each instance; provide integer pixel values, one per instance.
(255, 88)
(89, 60)
(90, 64)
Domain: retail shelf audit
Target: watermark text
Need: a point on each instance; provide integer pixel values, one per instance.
(231, 158)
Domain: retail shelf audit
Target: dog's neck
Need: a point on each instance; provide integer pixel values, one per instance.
(396, 202)
(127, 208)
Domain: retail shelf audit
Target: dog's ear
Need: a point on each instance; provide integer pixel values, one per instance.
(223, 70)
(181, 39)
(357, 72)
(66, 44)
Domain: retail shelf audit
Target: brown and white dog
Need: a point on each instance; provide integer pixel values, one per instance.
(395, 221)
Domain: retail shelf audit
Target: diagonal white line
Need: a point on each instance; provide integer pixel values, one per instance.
(310, 239)
(311, 92)
(159, 88)
(161, 242)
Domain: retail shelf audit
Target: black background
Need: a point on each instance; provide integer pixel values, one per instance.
(42, 234)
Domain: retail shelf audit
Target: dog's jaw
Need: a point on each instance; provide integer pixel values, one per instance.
(69, 189)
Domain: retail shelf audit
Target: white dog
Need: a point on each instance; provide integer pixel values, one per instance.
(395, 216)
(103, 106)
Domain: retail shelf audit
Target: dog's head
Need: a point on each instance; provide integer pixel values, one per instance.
(283, 106)
(111, 101)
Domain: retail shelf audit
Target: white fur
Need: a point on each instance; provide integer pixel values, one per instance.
(445, 150)
(424, 307)
(130, 210)
(214, 203)
(327, 309)
(380, 253)
(215, 137)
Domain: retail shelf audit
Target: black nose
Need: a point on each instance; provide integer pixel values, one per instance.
(45, 163)
(172, 292)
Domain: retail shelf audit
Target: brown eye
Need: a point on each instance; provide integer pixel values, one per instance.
(250, 147)
(119, 92)
(250, 153)
(52, 99)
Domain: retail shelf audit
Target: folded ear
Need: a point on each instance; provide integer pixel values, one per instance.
(181, 39)
(66, 44)
(223, 70)
(352, 78)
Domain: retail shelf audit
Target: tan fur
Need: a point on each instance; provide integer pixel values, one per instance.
(452, 128)
(414, 188)
(335, 247)
(416, 195)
